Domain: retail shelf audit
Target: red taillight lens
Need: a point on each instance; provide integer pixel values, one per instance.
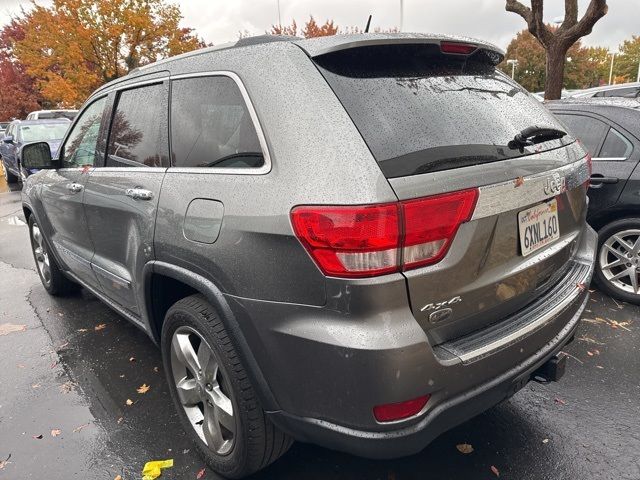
(369, 240)
(589, 161)
(350, 241)
(398, 411)
(431, 223)
(457, 47)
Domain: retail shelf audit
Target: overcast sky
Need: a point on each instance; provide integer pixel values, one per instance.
(220, 21)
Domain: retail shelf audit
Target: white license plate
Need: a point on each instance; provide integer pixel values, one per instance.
(538, 226)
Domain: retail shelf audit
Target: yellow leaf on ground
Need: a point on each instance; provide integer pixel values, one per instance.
(55, 432)
(464, 448)
(100, 327)
(144, 388)
(7, 328)
(152, 470)
(129, 402)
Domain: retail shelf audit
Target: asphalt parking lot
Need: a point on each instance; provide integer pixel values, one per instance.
(66, 380)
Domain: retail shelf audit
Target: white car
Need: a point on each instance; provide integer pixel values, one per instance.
(629, 90)
(50, 114)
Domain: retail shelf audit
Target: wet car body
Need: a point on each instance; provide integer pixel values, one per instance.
(435, 322)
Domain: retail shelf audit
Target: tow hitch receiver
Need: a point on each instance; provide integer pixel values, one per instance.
(552, 371)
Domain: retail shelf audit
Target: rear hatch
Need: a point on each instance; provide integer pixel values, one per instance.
(439, 117)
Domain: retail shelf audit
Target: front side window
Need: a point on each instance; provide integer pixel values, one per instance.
(138, 136)
(80, 147)
(616, 146)
(211, 126)
(588, 130)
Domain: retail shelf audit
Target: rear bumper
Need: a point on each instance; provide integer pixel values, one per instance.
(448, 414)
(328, 366)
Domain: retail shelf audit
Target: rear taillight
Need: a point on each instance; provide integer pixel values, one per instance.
(431, 223)
(370, 240)
(457, 48)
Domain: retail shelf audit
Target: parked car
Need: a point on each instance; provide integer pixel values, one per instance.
(3, 127)
(610, 130)
(362, 248)
(51, 114)
(628, 90)
(21, 132)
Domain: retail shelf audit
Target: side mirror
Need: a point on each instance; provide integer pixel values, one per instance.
(8, 139)
(37, 155)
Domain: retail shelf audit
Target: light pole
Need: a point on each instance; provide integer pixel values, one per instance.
(513, 62)
(279, 18)
(613, 56)
(401, 13)
(638, 79)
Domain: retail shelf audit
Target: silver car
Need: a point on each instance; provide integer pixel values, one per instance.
(358, 241)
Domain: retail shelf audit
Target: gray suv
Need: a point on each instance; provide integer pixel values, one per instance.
(356, 241)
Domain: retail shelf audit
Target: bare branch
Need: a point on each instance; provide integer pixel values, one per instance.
(516, 7)
(596, 10)
(570, 14)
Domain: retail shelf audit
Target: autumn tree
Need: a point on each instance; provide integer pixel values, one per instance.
(73, 46)
(585, 66)
(557, 42)
(627, 64)
(18, 93)
(310, 29)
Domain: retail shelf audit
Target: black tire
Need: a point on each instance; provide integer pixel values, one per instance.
(55, 282)
(256, 441)
(625, 227)
(9, 177)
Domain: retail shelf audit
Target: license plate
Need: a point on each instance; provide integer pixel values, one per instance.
(538, 226)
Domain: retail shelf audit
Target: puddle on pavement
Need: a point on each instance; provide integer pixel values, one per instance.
(14, 220)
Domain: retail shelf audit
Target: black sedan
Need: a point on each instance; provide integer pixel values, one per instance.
(610, 130)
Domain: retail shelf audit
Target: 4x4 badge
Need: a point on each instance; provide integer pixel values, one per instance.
(439, 305)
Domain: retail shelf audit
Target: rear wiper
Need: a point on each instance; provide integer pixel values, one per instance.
(533, 135)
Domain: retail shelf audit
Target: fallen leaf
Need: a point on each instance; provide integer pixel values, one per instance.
(100, 327)
(129, 402)
(518, 182)
(63, 346)
(546, 440)
(118, 477)
(38, 437)
(120, 420)
(5, 462)
(144, 388)
(590, 354)
(495, 471)
(156, 369)
(66, 387)
(35, 385)
(581, 286)
(122, 376)
(79, 428)
(20, 365)
(55, 432)
(132, 359)
(559, 401)
(600, 367)
(82, 330)
(464, 448)
(7, 328)
(60, 314)
(53, 364)
(201, 473)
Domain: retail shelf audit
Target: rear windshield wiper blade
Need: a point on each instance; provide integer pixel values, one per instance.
(535, 134)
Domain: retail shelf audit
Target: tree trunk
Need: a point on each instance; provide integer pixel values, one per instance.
(556, 57)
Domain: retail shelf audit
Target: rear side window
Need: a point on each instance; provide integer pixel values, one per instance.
(139, 128)
(421, 111)
(211, 125)
(616, 146)
(588, 130)
(622, 92)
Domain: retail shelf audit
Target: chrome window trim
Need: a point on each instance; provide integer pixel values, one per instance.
(266, 167)
(519, 193)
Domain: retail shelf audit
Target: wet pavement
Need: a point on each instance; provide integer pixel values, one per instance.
(77, 363)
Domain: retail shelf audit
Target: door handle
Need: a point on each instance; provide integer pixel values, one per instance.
(139, 193)
(597, 180)
(74, 187)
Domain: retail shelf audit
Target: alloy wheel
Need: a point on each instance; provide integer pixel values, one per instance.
(619, 260)
(41, 255)
(203, 391)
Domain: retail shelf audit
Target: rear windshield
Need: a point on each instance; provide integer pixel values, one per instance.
(421, 111)
(42, 132)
